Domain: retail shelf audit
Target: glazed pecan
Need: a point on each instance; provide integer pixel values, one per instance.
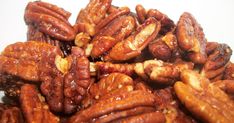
(10, 114)
(204, 100)
(105, 68)
(164, 48)
(226, 85)
(91, 15)
(121, 107)
(65, 80)
(191, 38)
(135, 43)
(50, 20)
(229, 72)
(22, 59)
(216, 62)
(111, 34)
(160, 72)
(34, 108)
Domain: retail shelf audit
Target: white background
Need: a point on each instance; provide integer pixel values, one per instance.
(215, 16)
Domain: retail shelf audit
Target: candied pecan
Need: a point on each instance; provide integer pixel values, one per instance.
(141, 13)
(21, 59)
(160, 72)
(65, 80)
(229, 72)
(118, 106)
(105, 68)
(91, 15)
(50, 20)
(191, 38)
(135, 43)
(226, 85)
(34, 108)
(111, 34)
(217, 62)
(10, 114)
(204, 100)
(164, 48)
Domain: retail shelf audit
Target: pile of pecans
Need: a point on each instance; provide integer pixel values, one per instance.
(114, 65)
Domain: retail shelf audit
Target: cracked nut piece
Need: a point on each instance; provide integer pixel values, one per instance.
(50, 20)
(21, 59)
(159, 72)
(123, 107)
(111, 34)
(203, 99)
(34, 108)
(216, 62)
(10, 114)
(191, 38)
(135, 43)
(65, 80)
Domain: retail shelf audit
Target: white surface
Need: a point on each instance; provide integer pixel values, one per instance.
(215, 16)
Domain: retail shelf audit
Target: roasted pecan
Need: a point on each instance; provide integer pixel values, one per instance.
(34, 108)
(141, 13)
(93, 14)
(135, 43)
(164, 48)
(217, 62)
(50, 20)
(105, 68)
(226, 85)
(119, 107)
(229, 72)
(114, 32)
(204, 100)
(191, 38)
(65, 80)
(10, 114)
(22, 59)
(160, 72)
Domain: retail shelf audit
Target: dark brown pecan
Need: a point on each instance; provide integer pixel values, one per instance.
(50, 20)
(118, 106)
(191, 38)
(217, 62)
(164, 48)
(21, 59)
(34, 108)
(92, 15)
(135, 43)
(160, 72)
(65, 80)
(10, 114)
(114, 32)
(203, 99)
(105, 68)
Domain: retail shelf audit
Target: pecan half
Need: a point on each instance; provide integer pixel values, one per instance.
(135, 43)
(10, 114)
(22, 59)
(229, 72)
(33, 106)
(49, 19)
(204, 100)
(121, 106)
(191, 38)
(217, 62)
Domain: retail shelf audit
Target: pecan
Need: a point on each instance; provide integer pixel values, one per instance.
(22, 59)
(34, 108)
(164, 48)
(141, 13)
(217, 62)
(160, 72)
(114, 32)
(50, 20)
(204, 100)
(105, 68)
(191, 38)
(226, 85)
(65, 80)
(229, 72)
(10, 114)
(121, 106)
(135, 43)
(92, 15)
